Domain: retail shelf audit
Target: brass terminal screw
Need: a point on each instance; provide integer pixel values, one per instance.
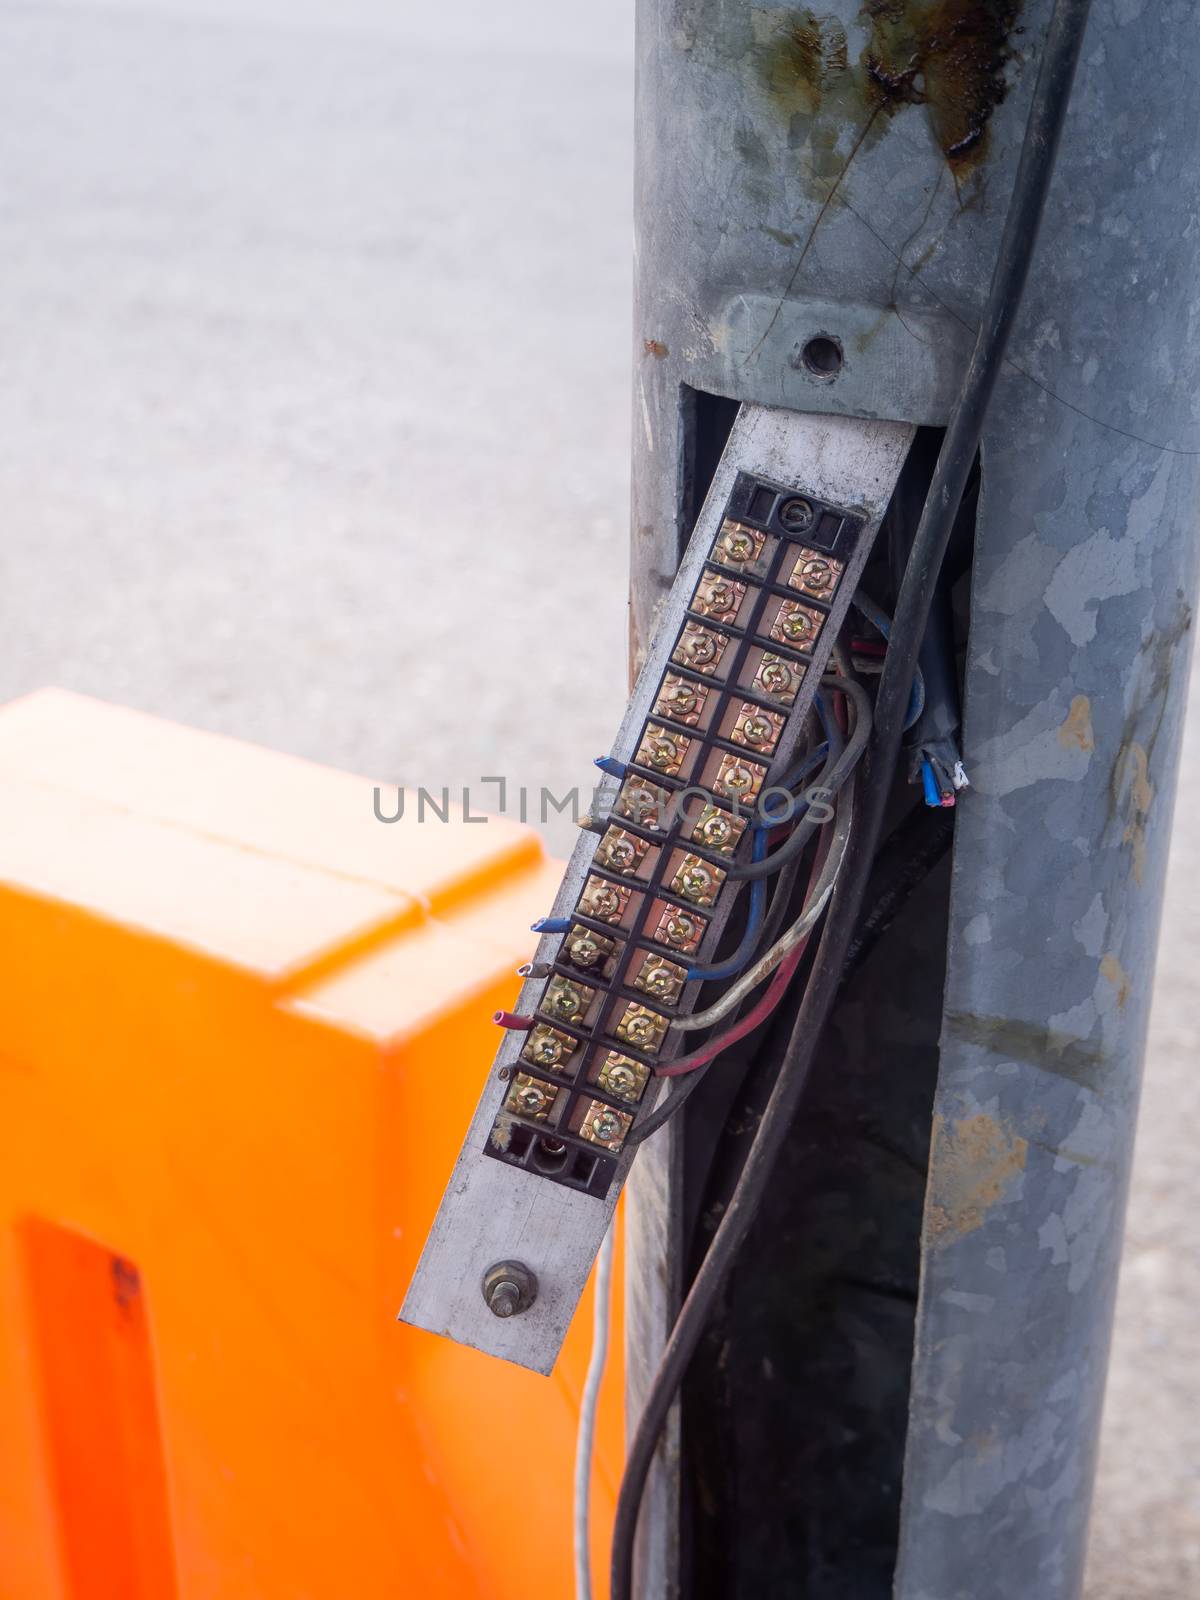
(584, 951)
(716, 830)
(817, 574)
(695, 881)
(605, 901)
(622, 853)
(606, 1126)
(738, 546)
(620, 1078)
(564, 1001)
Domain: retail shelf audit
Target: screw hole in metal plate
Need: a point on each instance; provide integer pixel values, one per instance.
(822, 356)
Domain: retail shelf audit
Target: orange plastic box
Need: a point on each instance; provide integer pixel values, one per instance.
(243, 1027)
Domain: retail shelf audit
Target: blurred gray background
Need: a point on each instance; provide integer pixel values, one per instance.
(315, 342)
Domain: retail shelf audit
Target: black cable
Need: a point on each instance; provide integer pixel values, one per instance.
(1043, 131)
(908, 856)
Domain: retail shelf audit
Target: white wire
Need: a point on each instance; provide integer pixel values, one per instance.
(800, 929)
(585, 1437)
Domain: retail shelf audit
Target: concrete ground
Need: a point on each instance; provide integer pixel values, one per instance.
(313, 311)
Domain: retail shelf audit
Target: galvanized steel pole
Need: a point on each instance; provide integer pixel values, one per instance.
(819, 203)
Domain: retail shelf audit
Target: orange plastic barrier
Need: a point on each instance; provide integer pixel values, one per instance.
(243, 1027)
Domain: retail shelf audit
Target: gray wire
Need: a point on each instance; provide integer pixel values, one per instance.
(831, 781)
(585, 1437)
(814, 905)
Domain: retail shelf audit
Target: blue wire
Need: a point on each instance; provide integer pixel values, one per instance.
(823, 714)
(551, 925)
(734, 963)
(749, 941)
(879, 619)
(933, 795)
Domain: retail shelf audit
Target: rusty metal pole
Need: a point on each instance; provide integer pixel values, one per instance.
(843, 178)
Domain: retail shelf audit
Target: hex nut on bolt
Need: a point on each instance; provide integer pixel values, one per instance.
(509, 1288)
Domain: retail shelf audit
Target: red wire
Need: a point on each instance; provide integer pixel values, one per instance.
(784, 973)
(510, 1019)
(764, 1008)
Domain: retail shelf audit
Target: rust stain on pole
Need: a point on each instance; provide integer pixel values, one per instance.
(972, 1165)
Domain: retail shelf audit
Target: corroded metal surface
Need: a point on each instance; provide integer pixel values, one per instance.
(785, 192)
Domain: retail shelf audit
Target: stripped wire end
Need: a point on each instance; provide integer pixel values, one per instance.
(939, 791)
(937, 767)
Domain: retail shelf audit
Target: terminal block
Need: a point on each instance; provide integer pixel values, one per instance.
(713, 725)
